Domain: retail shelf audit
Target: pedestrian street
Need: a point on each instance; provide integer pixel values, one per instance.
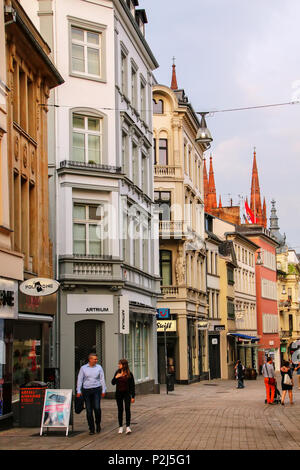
(205, 415)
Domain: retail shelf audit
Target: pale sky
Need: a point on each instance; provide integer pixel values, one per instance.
(231, 54)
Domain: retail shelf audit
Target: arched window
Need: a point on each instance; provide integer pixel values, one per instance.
(158, 106)
(88, 338)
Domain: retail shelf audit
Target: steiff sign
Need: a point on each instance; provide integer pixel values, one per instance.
(79, 304)
(39, 286)
(168, 325)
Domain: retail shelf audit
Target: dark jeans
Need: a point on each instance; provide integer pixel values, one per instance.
(92, 397)
(121, 398)
(241, 382)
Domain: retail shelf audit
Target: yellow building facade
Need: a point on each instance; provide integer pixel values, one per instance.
(180, 201)
(288, 277)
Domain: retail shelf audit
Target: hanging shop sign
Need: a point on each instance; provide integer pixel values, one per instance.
(166, 325)
(202, 325)
(8, 299)
(163, 314)
(57, 408)
(39, 286)
(124, 315)
(84, 304)
(219, 327)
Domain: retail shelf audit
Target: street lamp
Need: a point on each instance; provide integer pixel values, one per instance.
(203, 134)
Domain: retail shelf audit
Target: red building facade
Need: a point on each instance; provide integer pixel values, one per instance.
(266, 292)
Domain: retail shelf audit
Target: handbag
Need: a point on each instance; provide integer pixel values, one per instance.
(79, 404)
(287, 379)
(272, 380)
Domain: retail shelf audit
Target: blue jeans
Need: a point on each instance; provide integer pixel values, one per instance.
(92, 398)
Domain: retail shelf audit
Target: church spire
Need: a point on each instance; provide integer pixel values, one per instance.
(205, 185)
(174, 85)
(212, 198)
(255, 201)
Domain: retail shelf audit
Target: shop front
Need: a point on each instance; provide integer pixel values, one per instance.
(247, 350)
(140, 346)
(31, 354)
(8, 315)
(167, 344)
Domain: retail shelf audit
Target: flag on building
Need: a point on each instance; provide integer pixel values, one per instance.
(249, 214)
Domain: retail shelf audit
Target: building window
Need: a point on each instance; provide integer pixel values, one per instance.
(133, 87)
(230, 310)
(87, 230)
(230, 276)
(124, 73)
(163, 199)
(143, 100)
(125, 158)
(86, 139)
(86, 52)
(158, 107)
(137, 349)
(163, 152)
(166, 267)
(27, 355)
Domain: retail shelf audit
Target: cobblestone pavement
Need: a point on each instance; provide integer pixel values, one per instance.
(202, 416)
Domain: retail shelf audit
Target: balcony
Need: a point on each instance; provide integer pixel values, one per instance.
(170, 291)
(184, 293)
(171, 228)
(167, 171)
(82, 268)
(83, 166)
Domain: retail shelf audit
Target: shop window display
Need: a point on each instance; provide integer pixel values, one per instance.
(6, 340)
(136, 349)
(26, 356)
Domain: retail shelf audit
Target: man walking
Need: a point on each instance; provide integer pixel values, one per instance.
(239, 372)
(91, 384)
(269, 377)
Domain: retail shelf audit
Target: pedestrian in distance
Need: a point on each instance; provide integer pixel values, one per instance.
(270, 381)
(125, 393)
(91, 385)
(297, 369)
(240, 374)
(286, 382)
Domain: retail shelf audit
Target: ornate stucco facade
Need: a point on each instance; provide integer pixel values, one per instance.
(180, 198)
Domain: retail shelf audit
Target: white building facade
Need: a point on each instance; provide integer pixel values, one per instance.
(101, 187)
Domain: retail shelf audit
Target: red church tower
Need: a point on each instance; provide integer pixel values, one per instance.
(259, 211)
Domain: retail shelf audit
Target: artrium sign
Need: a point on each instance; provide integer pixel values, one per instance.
(38, 286)
(78, 304)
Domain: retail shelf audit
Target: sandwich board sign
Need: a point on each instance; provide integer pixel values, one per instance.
(57, 409)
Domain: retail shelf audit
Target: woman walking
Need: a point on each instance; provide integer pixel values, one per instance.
(125, 393)
(286, 382)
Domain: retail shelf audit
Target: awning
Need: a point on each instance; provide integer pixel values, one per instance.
(240, 335)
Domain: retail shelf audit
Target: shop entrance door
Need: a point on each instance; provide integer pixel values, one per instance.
(161, 360)
(88, 338)
(214, 356)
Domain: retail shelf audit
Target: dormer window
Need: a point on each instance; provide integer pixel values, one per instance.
(131, 5)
